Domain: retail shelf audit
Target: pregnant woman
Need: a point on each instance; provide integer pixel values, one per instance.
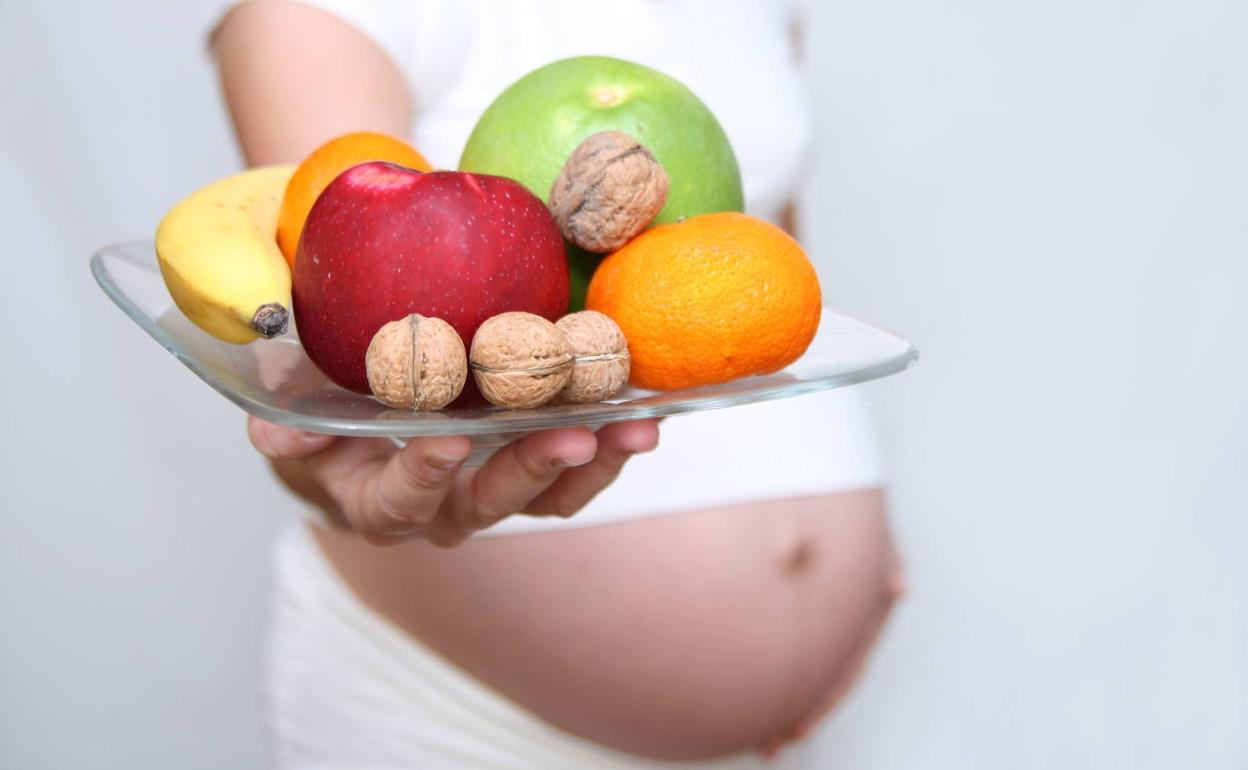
(706, 605)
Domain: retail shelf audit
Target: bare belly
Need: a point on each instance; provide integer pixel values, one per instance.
(678, 637)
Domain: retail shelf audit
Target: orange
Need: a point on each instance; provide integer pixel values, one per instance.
(710, 299)
(323, 166)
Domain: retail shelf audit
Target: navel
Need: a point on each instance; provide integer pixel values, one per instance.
(798, 557)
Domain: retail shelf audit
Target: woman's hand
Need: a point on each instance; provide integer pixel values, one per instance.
(387, 494)
(295, 76)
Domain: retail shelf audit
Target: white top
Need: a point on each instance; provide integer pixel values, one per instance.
(458, 55)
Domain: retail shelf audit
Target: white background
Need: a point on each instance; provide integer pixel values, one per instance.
(1049, 197)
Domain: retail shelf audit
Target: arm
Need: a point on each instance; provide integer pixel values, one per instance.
(294, 77)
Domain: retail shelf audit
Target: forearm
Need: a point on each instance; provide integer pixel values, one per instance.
(294, 77)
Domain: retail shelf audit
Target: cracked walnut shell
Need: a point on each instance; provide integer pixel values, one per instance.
(520, 360)
(600, 366)
(609, 190)
(416, 363)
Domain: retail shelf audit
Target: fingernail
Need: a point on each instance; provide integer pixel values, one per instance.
(445, 461)
(571, 462)
(312, 439)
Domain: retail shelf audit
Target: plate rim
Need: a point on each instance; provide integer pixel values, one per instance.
(480, 425)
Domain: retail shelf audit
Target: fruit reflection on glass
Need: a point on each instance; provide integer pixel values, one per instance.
(391, 266)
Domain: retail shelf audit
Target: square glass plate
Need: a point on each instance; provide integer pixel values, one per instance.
(275, 380)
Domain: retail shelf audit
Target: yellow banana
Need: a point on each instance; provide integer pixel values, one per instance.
(219, 257)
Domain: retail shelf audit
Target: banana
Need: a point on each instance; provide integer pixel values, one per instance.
(218, 254)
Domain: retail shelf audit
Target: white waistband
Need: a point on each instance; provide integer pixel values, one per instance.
(815, 444)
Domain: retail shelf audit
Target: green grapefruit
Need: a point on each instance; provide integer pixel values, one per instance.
(529, 131)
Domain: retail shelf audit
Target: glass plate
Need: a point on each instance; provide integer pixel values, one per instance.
(275, 381)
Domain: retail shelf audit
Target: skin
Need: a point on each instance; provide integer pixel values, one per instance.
(729, 629)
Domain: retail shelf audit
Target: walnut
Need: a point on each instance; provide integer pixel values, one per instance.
(520, 360)
(608, 191)
(416, 363)
(600, 366)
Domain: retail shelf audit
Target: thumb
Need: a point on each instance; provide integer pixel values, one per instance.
(278, 442)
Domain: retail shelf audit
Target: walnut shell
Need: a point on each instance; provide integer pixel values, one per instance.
(608, 191)
(520, 360)
(600, 364)
(416, 363)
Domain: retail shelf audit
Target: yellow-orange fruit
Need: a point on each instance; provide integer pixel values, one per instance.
(704, 301)
(323, 166)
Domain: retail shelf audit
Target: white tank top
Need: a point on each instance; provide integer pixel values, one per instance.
(457, 55)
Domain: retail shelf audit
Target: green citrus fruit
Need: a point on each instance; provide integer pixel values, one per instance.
(529, 131)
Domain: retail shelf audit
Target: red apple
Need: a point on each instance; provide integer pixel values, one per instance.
(383, 241)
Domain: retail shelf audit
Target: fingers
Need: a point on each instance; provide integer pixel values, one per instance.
(405, 495)
(522, 470)
(387, 495)
(278, 442)
(633, 437)
(576, 487)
